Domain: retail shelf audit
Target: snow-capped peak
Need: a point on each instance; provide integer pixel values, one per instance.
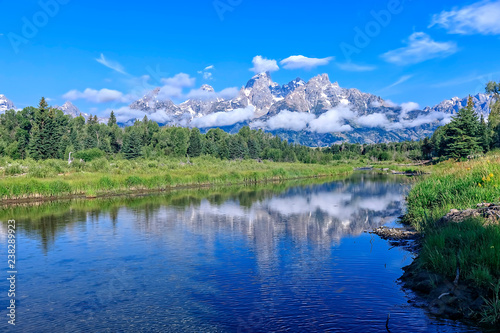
(5, 103)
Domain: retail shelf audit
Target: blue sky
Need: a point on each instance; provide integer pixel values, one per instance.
(102, 54)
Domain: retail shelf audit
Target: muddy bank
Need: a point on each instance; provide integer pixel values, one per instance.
(442, 297)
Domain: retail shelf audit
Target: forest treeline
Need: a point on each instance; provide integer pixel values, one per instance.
(47, 133)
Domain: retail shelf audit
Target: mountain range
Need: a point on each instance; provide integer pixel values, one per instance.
(314, 113)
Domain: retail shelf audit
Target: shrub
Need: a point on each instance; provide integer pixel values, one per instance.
(89, 154)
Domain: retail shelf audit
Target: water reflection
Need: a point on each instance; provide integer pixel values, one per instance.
(278, 257)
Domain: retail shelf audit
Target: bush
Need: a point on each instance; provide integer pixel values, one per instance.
(89, 154)
(98, 165)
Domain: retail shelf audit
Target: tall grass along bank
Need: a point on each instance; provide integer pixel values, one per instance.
(55, 178)
(468, 250)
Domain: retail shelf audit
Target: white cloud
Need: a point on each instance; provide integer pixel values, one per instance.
(207, 75)
(333, 120)
(181, 80)
(126, 114)
(442, 117)
(295, 121)
(299, 61)
(374, 120)
(389, 103)
(219, 119)
(402, 79)
(174, 86)
(409, 106)
(169, 92)
(352, 67)
(261, 64)
(97, 96)
(111, 64)
(482, 17)
(421, 47)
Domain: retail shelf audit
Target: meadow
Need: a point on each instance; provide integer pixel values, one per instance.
(28, 179)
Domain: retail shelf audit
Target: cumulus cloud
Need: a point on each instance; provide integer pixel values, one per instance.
(409, 106)
(374, 120)
(295, 121)
(261, 64)
(299, 61)
(126, 114)
(97, 96)
(420, 47)
(352, 67)
(219, 119)
(441, 117)
(181, 80)
(333, 120)
(111, 64)
(173, 87)
(482, 17)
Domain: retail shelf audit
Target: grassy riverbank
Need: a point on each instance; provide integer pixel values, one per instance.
(472, 245)
(55, 178)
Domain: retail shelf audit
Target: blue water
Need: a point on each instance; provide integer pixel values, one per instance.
(289, 259)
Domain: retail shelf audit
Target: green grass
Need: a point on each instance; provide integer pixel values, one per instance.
(471, 244)
(54, 178)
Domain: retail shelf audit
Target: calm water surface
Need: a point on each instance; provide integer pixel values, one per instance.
(279, 258)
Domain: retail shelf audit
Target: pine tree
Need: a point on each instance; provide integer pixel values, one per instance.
(39, 147)
(194, 149)
(462, 135)
(112, 119)
(132, 144)
(484, 135)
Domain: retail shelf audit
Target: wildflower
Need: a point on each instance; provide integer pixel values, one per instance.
(479, 184)
(484, 178)
(491, 175)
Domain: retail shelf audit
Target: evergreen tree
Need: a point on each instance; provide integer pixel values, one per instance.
(39, 147)
(194, 149)
(132, 144)
(112, 119)
(485, 136)
(462, 135)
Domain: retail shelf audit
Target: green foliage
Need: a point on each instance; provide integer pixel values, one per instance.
(89, 154)
(462, 136)
(194, 149)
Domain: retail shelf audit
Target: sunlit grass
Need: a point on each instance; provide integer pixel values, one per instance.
(32, 179)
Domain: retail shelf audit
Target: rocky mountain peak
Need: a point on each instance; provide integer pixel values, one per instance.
(69, 109)
(321, 79)
(260, 79)
(5, 103)
(453, 105)
(152, 101)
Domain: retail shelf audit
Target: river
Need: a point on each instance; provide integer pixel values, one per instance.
(277, 257)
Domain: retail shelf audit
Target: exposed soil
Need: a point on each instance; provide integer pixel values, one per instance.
(489, 211)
